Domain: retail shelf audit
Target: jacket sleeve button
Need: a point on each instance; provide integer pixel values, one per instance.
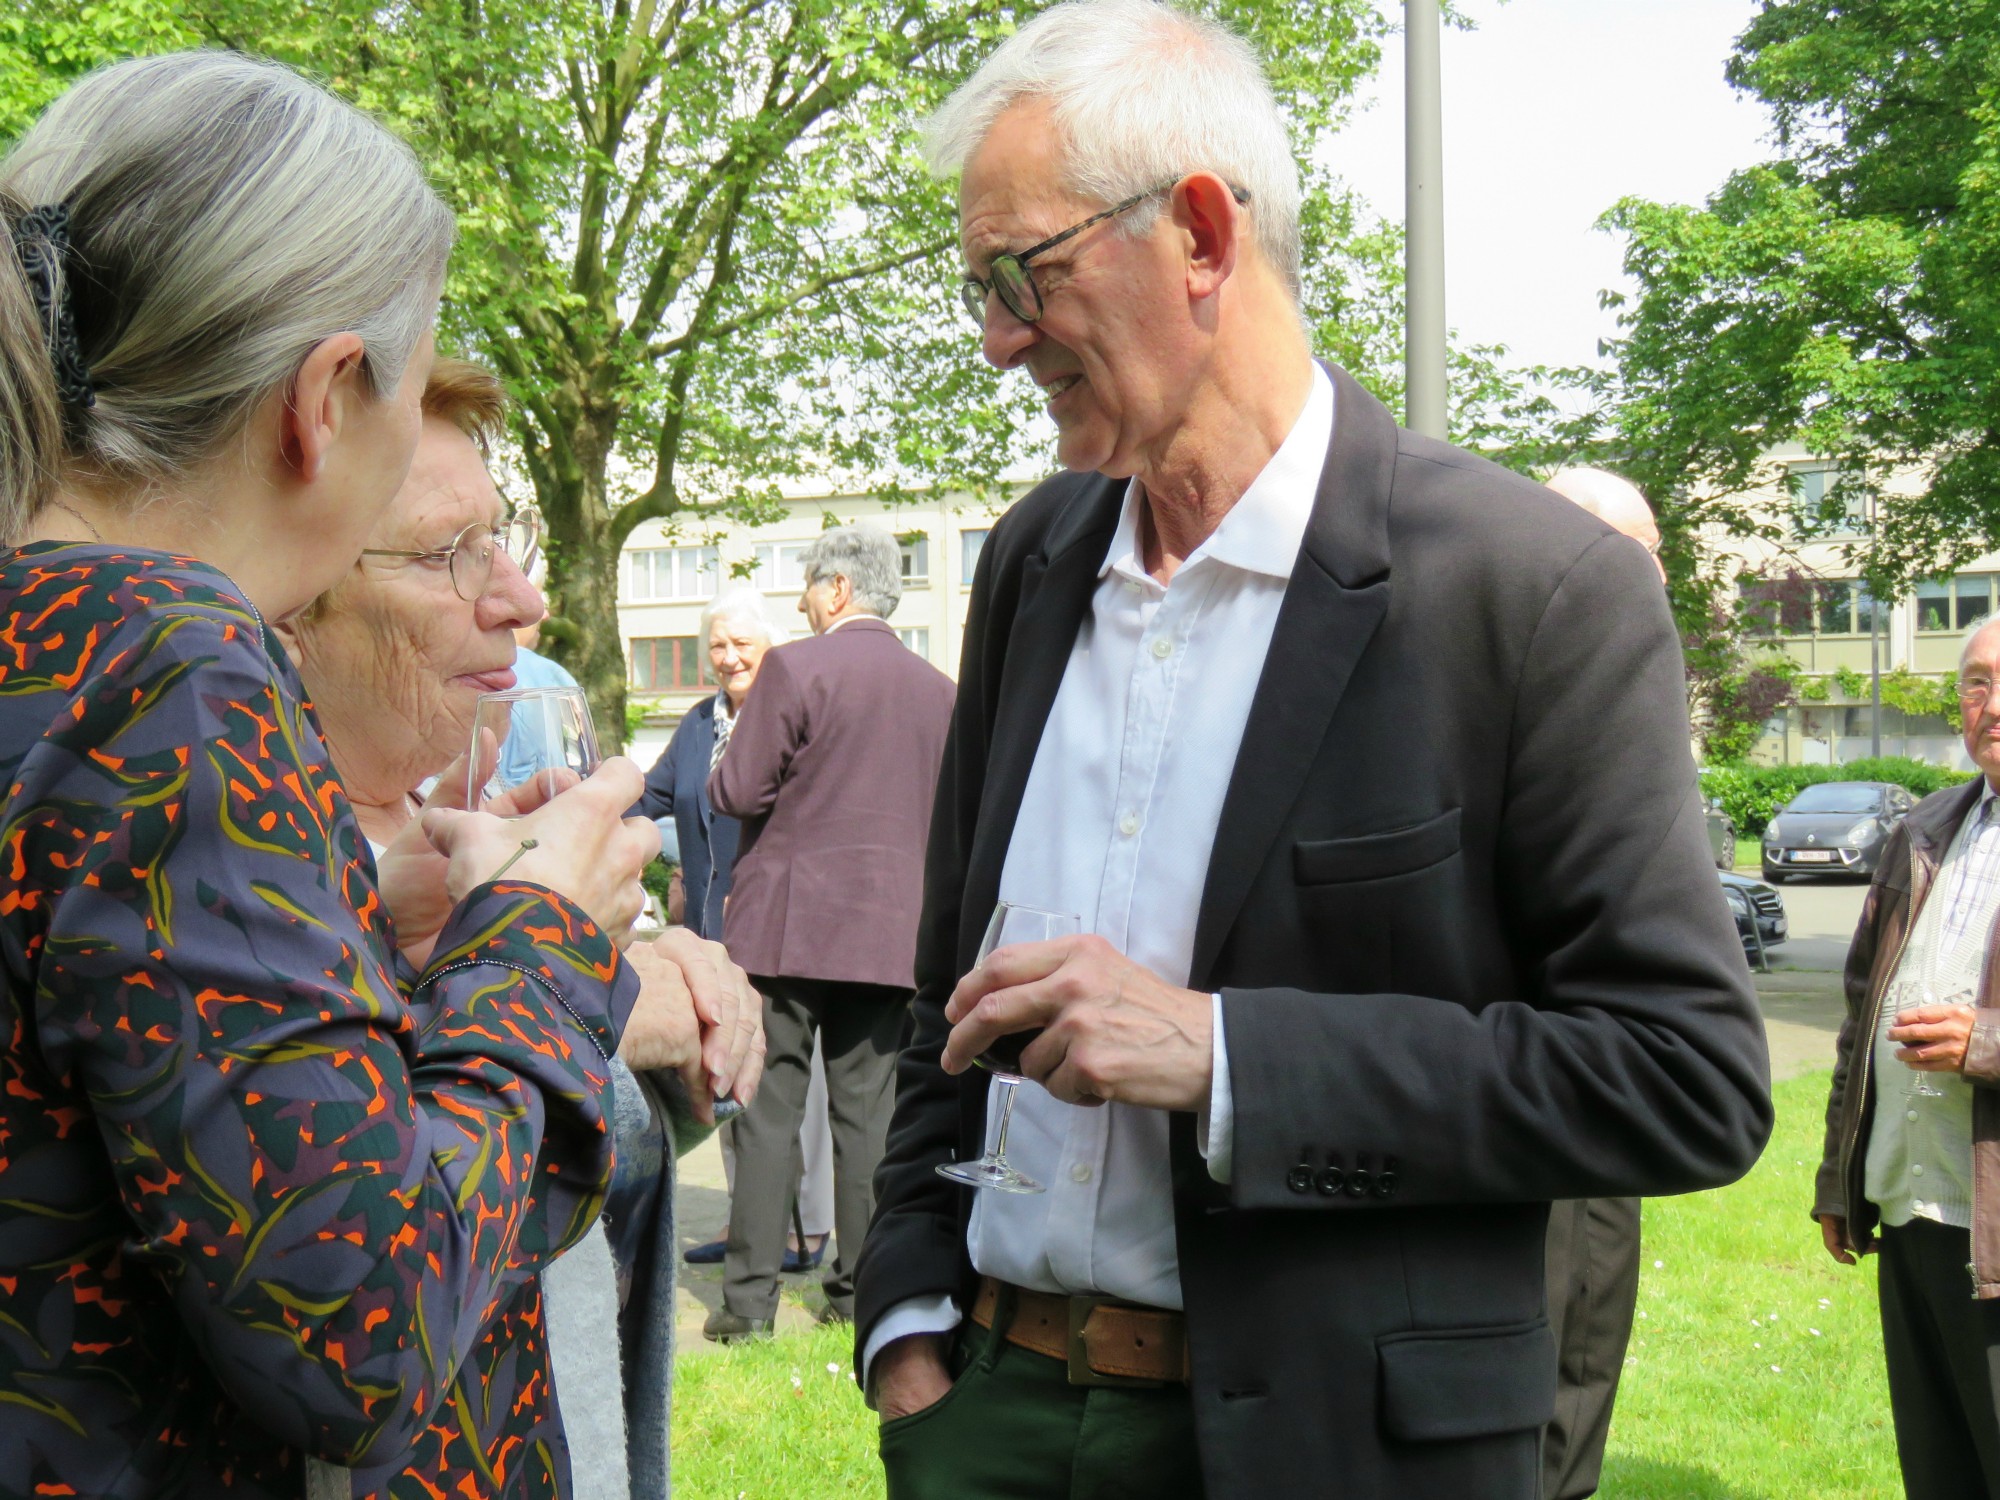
(1299, 1179)
(1360, 1182)
(1328, 1182)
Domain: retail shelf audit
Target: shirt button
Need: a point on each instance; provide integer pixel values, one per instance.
(1163, 648)
(1079, 1173)
(1129, 824)
(1910, 1115)
(1917, 1170)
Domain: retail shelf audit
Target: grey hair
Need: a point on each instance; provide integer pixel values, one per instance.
(741, 604)
(226, 215)
(1143, 93)
(1972, 634)
(867, 557)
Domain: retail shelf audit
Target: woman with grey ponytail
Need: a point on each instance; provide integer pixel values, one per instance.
(276, 1200)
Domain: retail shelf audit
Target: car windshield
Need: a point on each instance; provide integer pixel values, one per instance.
(1837, 797)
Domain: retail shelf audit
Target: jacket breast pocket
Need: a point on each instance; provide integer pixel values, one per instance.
(1377, 856)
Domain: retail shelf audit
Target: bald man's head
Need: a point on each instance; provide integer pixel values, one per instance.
(1614, 501)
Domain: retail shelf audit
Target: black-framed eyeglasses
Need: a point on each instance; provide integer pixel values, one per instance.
(470, 555)
(1009, 276)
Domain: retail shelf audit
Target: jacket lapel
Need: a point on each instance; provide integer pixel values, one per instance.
(1057, 585)
(1338, 593)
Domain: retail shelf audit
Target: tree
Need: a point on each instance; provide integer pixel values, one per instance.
(1842, 294)
(698, 243)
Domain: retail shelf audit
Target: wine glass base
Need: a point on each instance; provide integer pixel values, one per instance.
(987, 1173)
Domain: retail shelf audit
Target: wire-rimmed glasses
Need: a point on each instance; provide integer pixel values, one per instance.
(470, 554)
(1012, 923)
(1009, 276)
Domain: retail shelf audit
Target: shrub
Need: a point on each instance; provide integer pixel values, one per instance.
(1752, 795)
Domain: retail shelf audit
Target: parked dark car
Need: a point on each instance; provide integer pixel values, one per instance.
(1759, 912)
(1834, 828)
(1721, 835)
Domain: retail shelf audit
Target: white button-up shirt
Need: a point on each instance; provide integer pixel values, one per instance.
(1116, 825)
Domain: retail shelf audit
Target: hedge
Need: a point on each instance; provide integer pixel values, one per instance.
(1752, 795)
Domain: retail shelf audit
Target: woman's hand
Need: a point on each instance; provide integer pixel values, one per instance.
(411, 873)
(698, 1016)
(578, 844)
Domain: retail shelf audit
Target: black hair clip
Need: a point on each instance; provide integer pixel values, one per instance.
(42, 241)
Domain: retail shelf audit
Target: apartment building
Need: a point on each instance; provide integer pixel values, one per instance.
(667, 576)
(1816, 609)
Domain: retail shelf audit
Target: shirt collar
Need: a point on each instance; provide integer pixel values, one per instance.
(1263, 530)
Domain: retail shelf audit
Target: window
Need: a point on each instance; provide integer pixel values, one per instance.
(1835, 614)
(1972, 592)
(1820, 508)
(970, 545)
(1870, 614)
(778, 566)
(1934, 605)
(917, 638)
(916, 552)
(671, 573)
(665, 662)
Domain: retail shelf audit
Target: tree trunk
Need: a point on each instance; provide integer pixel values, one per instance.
(582, 632)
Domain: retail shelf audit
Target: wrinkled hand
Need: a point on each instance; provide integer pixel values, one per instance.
(1833, 1231)
(697, 1016)
(412, 874)
(1111, 1029)
(584, 846)
(910, 1375)
(1934, 1037)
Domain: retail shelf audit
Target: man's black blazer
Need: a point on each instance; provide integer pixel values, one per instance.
(1470, 945)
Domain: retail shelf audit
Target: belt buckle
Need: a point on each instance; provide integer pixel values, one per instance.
(1080, 1372)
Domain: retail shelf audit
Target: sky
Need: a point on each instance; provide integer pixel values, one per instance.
(1553, 111)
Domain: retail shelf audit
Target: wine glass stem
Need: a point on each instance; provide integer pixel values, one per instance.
(1007, 1087)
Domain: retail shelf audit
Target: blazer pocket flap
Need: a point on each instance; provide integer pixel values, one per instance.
(1375, 856)
(1467, 1383)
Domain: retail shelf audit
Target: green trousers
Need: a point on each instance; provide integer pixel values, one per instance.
(1014, 1428)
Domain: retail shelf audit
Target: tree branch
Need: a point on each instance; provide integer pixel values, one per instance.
(805, 293)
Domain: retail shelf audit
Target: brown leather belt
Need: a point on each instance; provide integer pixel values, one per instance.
(1102, 1340)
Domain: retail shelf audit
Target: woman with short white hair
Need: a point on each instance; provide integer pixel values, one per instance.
(737, 628)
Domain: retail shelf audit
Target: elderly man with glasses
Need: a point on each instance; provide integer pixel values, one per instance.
(1360, 765)
(1912, 1161)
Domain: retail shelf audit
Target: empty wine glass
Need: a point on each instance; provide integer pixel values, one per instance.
(1923, 1084)
(1012, 923)
(530, 736)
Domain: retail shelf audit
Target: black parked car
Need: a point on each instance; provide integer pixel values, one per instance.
(1721, 835)
(1834, 828)
(1753, 902)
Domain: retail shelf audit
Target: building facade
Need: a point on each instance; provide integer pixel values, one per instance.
(666, 577)
(1812, 606)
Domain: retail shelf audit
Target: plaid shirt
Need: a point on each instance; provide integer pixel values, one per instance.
(1973, 887)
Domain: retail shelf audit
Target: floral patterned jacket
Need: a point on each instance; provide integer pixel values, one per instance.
(263, 1191)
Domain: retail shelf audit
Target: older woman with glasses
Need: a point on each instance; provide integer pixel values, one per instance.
(395, 656)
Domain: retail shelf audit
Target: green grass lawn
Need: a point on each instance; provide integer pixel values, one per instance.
(1755, 1371)
(1749, 854)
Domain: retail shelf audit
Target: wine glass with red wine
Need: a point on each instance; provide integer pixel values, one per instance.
(1012, 923)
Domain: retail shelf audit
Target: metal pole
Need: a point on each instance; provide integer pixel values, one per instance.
(1874, 676)
(1423, 227)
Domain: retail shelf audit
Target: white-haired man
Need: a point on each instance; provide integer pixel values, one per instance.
(831, 768)
(1368, 782)
(1593, 1245)
(1912, 1160)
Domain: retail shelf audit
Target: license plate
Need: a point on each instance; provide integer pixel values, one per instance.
(1812, 856)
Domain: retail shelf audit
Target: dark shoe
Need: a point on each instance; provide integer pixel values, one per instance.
(831, 1315)
(705, 1255)
(726, 1327)
(800, 1260)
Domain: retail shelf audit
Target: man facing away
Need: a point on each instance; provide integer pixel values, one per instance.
(831, 768)
(1593, 1244)
(1912, 1160)
(1363, 764)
